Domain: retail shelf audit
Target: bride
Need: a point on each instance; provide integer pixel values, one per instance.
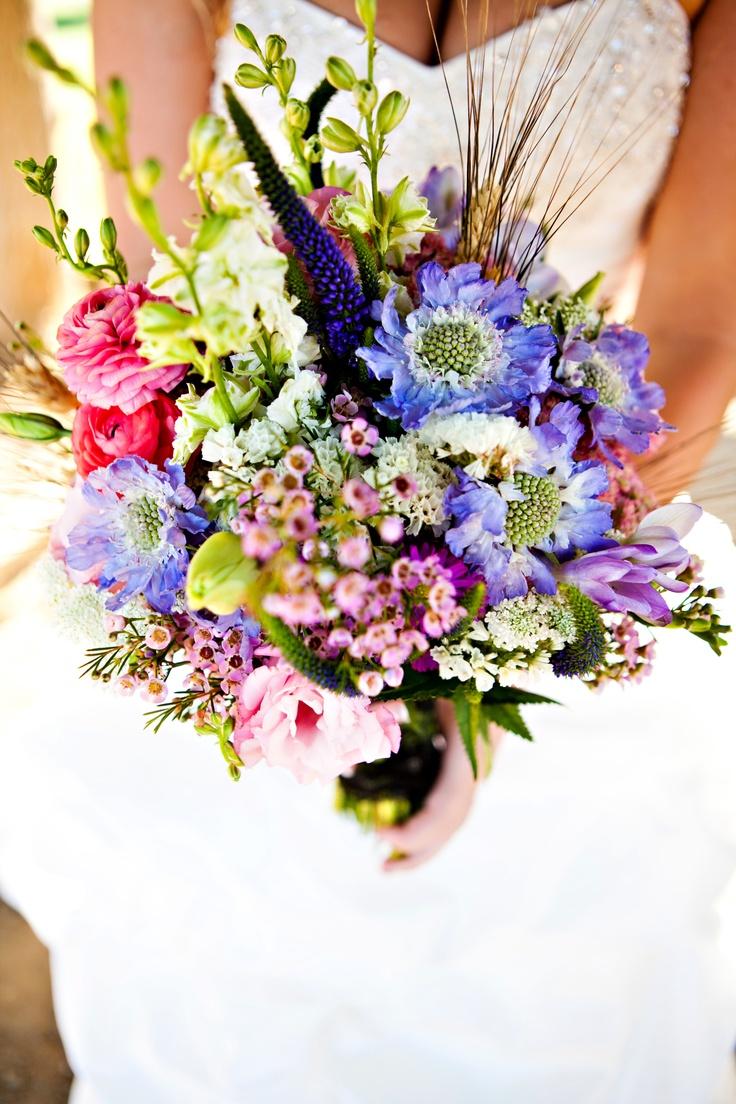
(214, 943)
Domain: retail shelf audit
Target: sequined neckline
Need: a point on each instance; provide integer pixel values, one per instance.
(563, 13)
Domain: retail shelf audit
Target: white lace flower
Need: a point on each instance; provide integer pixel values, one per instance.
(79, 608)
(408, 456)
(530, 622)
(497, 443)
(262, 440)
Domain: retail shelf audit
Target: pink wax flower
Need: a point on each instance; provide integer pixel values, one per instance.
(289, 722)
(358, 437)
(99, 352)
(354, 551)
(362, 499)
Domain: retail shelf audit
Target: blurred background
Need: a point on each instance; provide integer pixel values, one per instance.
(38, 116)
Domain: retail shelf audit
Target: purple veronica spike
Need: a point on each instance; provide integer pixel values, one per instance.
(135, 532)
(462, 349)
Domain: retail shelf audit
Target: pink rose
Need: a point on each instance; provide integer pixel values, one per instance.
(319, 203)
(288, 721)
(101, 436)
(99, 353)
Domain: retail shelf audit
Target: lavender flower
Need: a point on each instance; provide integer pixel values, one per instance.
(443, 190)
(462, 349)
(135, 531)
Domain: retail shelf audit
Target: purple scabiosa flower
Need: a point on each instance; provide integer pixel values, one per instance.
(135, 532)
(609, 373)
(463, 348)
(548, 509)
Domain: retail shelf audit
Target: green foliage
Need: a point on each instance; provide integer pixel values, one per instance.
(328, 675)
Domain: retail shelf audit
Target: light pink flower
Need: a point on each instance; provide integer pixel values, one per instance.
(76, 509)
(391, 529)
(362, 499)
(354, 552)
(358, 437)
(289, 722)
(99, 352)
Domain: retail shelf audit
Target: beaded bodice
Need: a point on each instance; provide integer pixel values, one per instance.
(611, 119)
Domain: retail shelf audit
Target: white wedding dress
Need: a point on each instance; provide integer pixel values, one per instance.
(214, 943)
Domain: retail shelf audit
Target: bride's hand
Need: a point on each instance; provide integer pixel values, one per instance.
(447, 805)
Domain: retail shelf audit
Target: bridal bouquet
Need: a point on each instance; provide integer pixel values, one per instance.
(348, 449)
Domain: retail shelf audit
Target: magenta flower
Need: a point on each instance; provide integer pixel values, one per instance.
(99, 353)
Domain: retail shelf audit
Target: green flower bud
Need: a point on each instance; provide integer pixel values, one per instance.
(45, 237)
(40, 55)
(62, 218)
(340, 137)
(147, 175)
(391, 111)
(313, 149)
(246, 38)
(117, 100)
(103, 143)
(284, 74)
(365, 95)
(340, 74)
(366, 12)
(159, 318)
(81, 243)
(220, 577)
(108, 235)
(250, 76)
(297, 115)
(32, 427)
(211, 148)
(275, 48)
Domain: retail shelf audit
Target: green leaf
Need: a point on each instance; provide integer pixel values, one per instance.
(508, 717)
(32, 427)
(464, 716)
(503, 695)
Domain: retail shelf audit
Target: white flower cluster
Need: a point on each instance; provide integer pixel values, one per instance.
(518, 635)
(327, 474)
(79, 608)
(408, 456)
(497, 444)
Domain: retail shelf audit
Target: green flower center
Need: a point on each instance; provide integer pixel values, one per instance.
(607, 380)
(144, 523)
(532, 518)
(457, 345)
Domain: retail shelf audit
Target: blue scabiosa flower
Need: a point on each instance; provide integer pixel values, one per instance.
(517, 531)
(611, 377)
(463, 348)
(134, 534)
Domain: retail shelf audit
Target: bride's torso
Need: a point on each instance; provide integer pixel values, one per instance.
(611, 120)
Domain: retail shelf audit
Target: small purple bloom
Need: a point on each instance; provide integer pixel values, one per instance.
(609, 373)
(443, 190)
(135, 532)
(462, 349)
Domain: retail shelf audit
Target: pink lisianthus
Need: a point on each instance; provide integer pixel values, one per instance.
(99, 353)
(319, 203)
(289, 722)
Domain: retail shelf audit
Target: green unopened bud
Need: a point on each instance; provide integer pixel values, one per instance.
(108, 235)
(62, 218)
(147, 175)
(157, 319)
(250, 76)
(391, 111)
(117, 100)
(297, 115)
(366, 12)
(275, 48)
(103, 142)
(284, 75)
(40, 55)
(45, 237)
(246, 38)
(314, 151)
(81, 243)
(340, 74)
(31, 427)
(340, 137)
(220, 577)
(211, 148)
(365, 95)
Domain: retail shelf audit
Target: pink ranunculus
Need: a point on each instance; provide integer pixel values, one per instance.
(289, 722)
(318, 202)
(101, 436)
(100, 355)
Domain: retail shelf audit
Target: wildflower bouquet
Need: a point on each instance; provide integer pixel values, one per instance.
(348, 450)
